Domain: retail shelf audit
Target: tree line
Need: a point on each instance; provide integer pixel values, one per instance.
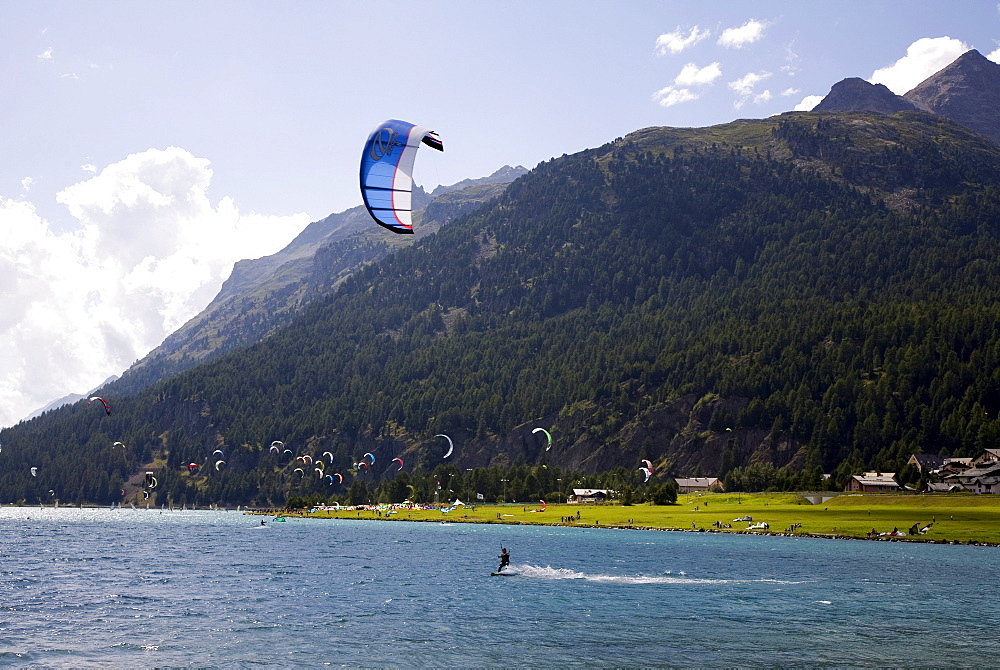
(851, 311)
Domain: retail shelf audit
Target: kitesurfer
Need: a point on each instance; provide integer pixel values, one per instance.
(504, 559)
(263, 523)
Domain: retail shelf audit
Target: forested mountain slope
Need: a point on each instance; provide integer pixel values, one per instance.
(264, 294)
(815, 291)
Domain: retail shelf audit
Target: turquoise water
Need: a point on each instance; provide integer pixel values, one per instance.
(136, 588)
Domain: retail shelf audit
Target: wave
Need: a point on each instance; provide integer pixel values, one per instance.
(548, 572)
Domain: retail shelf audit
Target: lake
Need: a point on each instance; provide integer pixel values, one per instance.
(131, 588)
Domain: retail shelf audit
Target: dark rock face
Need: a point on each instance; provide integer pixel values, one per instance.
(857, 95)
(967, 92)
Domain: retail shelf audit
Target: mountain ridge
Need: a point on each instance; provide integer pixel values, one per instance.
(967, 91)
(808, 292)
(857, 95)
(262, 294)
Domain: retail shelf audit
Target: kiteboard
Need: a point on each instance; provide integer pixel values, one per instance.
(502, 574)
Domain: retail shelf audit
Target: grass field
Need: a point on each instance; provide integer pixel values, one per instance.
(955, 518)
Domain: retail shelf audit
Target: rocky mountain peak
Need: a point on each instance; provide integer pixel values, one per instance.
(967, 92)
(857, 95)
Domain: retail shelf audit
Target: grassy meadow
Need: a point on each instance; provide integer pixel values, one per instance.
(954, 518)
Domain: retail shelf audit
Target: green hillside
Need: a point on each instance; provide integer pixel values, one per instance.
(263, 295)
(803, 294)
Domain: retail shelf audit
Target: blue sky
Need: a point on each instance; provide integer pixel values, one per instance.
(147, 146)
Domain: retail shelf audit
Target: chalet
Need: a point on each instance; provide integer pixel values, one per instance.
(987, 456)
(988, 484)
(874, 482)
(698, 484)
(982, 479)
(926, 462)
(953, 466)
(943, 487)
(590, 495)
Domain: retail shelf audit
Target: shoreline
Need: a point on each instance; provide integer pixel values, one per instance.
(371, 516)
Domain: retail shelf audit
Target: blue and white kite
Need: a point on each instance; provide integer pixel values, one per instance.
(387, 171)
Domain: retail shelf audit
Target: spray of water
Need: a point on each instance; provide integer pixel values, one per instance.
(548, 572)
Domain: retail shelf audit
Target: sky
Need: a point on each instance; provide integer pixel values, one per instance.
(146, 147)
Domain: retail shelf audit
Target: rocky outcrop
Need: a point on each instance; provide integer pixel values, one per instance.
(857, 95)
(967, 92)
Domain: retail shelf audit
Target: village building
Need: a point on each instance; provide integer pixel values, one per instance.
(926, 462)
(943, 487)
(874, 482)
(698, 484)
(987, 456)
(590, 495)
(953, 466)
(982, 479)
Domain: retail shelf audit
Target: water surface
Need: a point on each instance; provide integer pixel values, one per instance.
(199, 588)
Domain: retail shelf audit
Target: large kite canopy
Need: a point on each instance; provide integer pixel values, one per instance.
(387, 171)
(451, 445)
(548, 436)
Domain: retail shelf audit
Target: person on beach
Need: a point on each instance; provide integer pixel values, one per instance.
(504, 559)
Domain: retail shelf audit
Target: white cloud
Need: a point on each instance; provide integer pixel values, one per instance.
(88, 167)
(46, 55)
(744, 87)
(150, 252)
(748, 33)
(692, 75)
(670, 96)
(26, 184)
(923, 58)
(808, 103)
(789, 91)
(791, 58)
(677, 41)
(745, 84)
(994, 55)
(762, 97)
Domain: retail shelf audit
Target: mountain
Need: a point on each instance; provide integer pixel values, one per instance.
(857, 95)
(504, 175)
(69, 399)
(967, 92)
(765, 300)
(263, 294)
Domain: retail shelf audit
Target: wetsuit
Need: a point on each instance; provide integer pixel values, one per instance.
(504, 560)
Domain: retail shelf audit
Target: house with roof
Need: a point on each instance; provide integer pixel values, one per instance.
(874, 482)
(943, 487)
(698, 484)
(925, 463)
(982, 479)
(954, 466)
(987, 456)
(590, 495)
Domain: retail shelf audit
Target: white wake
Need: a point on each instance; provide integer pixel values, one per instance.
(548, 572)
